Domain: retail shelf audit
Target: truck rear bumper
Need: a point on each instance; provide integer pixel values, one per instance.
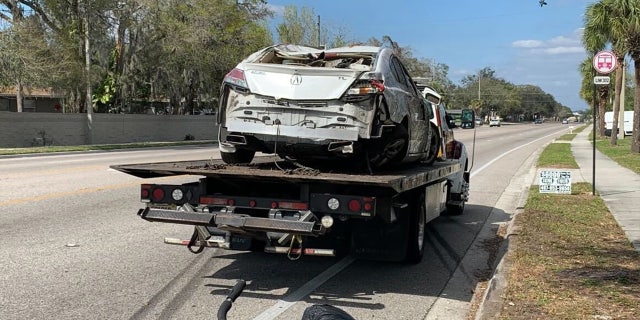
(222, 219)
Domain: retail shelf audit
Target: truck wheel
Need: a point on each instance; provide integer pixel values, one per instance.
(417, 231)
(241, 156)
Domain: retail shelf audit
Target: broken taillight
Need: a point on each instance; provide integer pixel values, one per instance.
(366, 88)
(236, 77)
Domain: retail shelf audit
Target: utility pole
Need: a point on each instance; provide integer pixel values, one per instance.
(87, 74)
(318, 38)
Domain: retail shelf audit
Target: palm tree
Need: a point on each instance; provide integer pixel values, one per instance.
(626, 28)
(603, 27)
(617, 22)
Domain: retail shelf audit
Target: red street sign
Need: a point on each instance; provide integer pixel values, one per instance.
(605, 62)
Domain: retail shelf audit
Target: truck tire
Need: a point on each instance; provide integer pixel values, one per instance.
(241, 156)
(417, 230)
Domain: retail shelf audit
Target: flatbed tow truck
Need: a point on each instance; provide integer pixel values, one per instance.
(277, 206)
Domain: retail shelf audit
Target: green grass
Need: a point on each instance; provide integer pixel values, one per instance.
(571, 260)
(557, 155)
(620, 153)
(15, 151)
(567, 137)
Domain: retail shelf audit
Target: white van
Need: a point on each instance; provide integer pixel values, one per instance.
(628, 123)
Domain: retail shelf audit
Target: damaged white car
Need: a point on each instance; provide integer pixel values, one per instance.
(303, 103)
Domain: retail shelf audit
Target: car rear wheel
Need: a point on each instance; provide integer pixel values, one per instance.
(241, 156)
(388, 149)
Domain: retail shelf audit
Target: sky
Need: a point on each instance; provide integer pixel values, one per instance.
(523, 42)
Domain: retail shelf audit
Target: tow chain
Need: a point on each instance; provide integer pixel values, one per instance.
(295, 238)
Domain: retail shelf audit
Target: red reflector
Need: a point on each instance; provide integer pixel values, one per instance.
(354, 205)
(368, 206)
(214, 201)
(157, 194)
(252, 203)
(145, 191)
(294, 205)
(231, 202)
(274, 205)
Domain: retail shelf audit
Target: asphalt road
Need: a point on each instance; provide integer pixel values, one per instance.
(73, 248)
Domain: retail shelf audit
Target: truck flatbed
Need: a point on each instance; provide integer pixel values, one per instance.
(274, 169)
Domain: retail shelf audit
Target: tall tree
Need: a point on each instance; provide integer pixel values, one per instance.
(624, 26)
(602, 27)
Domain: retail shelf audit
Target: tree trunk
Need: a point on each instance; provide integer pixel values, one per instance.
(616, 101)
(603, 94)
(19, 97)
(635, 143)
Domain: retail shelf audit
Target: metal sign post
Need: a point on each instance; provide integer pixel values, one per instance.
(604, 62)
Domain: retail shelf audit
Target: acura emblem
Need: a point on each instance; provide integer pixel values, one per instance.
(296, 79)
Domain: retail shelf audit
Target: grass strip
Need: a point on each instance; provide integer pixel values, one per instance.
(557, 155)
(620, 153)
(571, 261)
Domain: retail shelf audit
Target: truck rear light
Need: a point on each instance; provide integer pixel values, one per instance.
(368, 206)
(354, 205)
(231, 202)
(145, 191)
(252, 203)
(157, 195)
(236, 77)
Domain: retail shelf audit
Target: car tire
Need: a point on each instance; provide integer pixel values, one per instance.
(241, 156)
(434, 146)
(388, 149)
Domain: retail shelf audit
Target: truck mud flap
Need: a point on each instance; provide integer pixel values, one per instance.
(217, 219)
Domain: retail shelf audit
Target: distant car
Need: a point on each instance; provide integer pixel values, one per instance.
(305, 103)
(478, 121)
(494, 123)
(537, 121)
(565, 121)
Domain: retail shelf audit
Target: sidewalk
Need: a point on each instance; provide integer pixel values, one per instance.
(619, 187)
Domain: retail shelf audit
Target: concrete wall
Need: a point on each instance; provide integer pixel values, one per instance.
(28, 129)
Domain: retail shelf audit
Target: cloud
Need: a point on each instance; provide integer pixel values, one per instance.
(559, 45)
(563, 50)
(527, 44)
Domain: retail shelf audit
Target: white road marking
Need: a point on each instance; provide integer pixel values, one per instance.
(305, 290)
(486, 165)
